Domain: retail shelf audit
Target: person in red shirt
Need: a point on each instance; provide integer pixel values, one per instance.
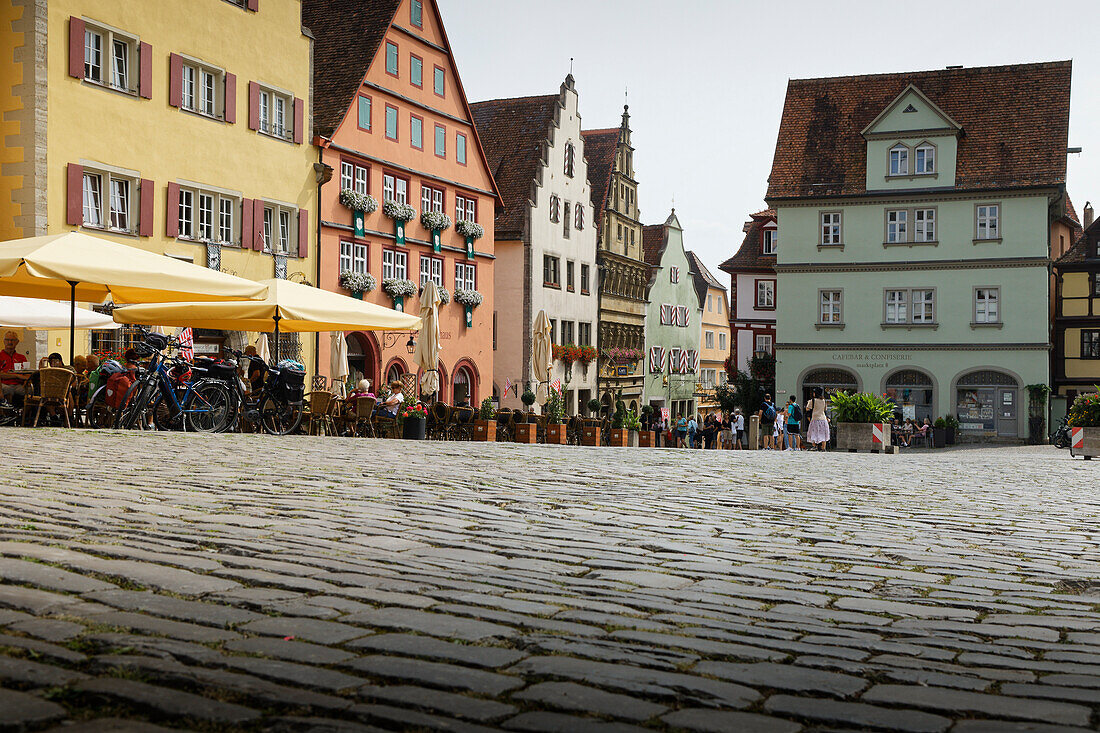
(9, 357)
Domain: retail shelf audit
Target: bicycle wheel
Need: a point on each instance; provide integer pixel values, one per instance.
(209, 406)
(98, 413)
(162, 415)
(278, 416)
(135, 406)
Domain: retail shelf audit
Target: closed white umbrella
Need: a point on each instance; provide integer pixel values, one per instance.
(338, 363)
(543, 356)
(262, 349)
(427, 348)
(38, 313)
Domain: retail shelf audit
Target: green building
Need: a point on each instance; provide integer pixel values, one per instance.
(672, 320)
(916, 213)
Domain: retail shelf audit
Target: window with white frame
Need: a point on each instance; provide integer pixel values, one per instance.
(465, 208)
(897, 306)
(202, 89)
(765, 293)
(353, 256)
(353, 177)
(709, 339)
(1090, 344)
(721, 341)
(899, 160)
(567, 332)
(276, 113)
(551, 271)
(395, 189)
(395, 265)
(924, 225)
(465, 276)
(108, 200)
(830, 312)
(764, 343)
(830, 227)
(584, 334)
(431, 268)
(987, 303)
(282, 244)
(924, 302)
(914, 306)
(110, 58)
(988, 225)
(925, 158)
(431, 199)
(897, 226)
(207, 215)
(584, 279)
(279, 235)
(771, 241)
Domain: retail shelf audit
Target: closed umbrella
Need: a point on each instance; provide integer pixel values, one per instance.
(427, 349)
(79, 267)
(289, 306)
(262, 349)
(338, 366)
(37, 313)
(543, 356)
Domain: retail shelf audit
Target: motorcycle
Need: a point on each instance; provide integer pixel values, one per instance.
(1060, 437)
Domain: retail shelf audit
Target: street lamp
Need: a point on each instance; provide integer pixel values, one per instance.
(410, 345)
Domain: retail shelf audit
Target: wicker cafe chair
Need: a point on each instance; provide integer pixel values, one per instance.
(540, 431)
(358, 422)
(439, 415)
(461, 424)
(54, 384)
(574, 429)
(504, 425)
(605, 431)
(319, 417)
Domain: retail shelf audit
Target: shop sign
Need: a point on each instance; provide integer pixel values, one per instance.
(872, 359)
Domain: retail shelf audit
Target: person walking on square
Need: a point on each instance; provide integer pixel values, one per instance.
(767, 415)
(794, 425)
(818, 433)
(693, 431)
(681, 432)
(738, 430)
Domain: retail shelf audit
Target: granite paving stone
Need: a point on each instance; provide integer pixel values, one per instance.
(786, 677)
(860, 715)
(959, 701)
(571, 696)
(448, 703)
(704, 720)
(19, 710)
(433, 624)
(435, 674)
(413, 645)
(167, 701)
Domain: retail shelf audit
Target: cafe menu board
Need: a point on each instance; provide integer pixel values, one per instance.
(975, 409)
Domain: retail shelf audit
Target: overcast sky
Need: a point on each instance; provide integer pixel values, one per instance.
(706, 79)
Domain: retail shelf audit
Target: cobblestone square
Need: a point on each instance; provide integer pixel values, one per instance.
(243, 582)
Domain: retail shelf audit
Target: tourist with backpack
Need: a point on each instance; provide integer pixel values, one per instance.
(794, 425)
(767, 414)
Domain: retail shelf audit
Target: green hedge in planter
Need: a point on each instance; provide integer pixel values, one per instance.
(861, 407)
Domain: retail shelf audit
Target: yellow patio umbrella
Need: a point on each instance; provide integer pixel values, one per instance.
(543, 356)
(427, 349)
(289, 306)
(77, 266)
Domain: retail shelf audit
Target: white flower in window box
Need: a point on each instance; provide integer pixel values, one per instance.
(435, 221)
(470, 298)
(470, 229)
(398, 288)
(358, 201)
(357, 282)
(398, 211)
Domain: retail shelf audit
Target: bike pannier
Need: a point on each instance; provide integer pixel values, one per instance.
(290, 384)
(117, 386)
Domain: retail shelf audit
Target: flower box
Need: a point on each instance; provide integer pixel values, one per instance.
(485, 430)
(413, 428)
(862, 436)
(1084, 442)
(647, 438)
(620, 438)
(557, 434)
(590, 435)
(527, 432)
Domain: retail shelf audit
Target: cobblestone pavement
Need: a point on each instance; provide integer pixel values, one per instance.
(256, 583)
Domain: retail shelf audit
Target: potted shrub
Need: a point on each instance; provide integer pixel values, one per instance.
(1084, 426)
(647, 438)
(527, 432)
(862, 421)
(555, 409)
(633, 428)
(485, 427)
(939, 433)
(414, 420)
(620, 437)
(590, 430)
(952, 425)
(594, 406)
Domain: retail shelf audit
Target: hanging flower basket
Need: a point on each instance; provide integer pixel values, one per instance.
(469, 229)
(357, 282)
(587, 355)
(470, 298)
(435, 221)
(567, 353)
(399, 290)
(358, 201)
(398, 211)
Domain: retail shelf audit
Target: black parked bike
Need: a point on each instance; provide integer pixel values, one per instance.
(1060, 437)
(276, 403)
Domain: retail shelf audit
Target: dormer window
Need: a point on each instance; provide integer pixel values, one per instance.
(899, 160)
(771, 241)
(925, 155)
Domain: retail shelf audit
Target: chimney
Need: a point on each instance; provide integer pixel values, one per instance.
(1088, 215)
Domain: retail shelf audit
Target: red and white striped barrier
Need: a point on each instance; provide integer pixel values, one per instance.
(1077, 438)
(878, 430)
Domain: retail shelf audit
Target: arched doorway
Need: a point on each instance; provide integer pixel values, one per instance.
(362, 359)
(463, 385)
(987, 401)
(829, 379)
(395, 371)
(913, 391)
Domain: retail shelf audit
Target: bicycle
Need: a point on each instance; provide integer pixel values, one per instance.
(277, 406)
(164, 395)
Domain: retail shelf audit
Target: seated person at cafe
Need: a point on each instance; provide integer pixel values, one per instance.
(55, 361)
(80, 365)
(9, 358)
(392, 403)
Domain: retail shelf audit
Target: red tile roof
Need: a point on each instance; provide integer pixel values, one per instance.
(347, 34)
(513, 132)
(1084, 249)
(702, 277)
(654, 241)
(1015, 127)
(749, 257)
(599, 153)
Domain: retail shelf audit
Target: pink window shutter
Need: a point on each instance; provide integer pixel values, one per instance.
(175, 80)
(76, 48)
(254, 5)
(299, 120)
(145, 210)
(145, 71)
(246, 224)
(172, 211)
(258, 242)
(253, 106)
(303, 232)
(74, 195)
(230, 97)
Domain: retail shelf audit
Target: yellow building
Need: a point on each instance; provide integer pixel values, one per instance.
(714, 334)
(177, 127)
(1076, 356)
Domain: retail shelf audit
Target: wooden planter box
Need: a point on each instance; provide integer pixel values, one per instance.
(591, 435)
(557, 434)
(620, 438)
(1084, 442)
(526, 432)
(857, 436)
(647, 439)
(485, 430)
